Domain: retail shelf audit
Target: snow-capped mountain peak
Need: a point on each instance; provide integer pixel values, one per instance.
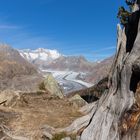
(40, 54)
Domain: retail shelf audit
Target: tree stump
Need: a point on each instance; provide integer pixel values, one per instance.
(108, 121)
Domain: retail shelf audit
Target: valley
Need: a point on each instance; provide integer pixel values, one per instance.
(61, 76)
(71, 72)
(68, 80)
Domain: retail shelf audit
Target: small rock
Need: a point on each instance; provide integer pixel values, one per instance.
(47, 135)
(48, 132)
(9, 97)
(77, 101)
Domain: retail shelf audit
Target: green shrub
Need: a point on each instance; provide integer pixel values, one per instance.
(59, 136)
(42, 86)
(39, 92)
(63, 135)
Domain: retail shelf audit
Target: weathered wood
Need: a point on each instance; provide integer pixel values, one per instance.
(104, 124)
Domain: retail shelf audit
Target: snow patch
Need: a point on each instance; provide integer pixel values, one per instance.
(40, 54)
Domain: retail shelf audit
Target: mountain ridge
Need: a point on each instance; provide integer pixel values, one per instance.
(52, 59)
(94, 71)
(40, 53)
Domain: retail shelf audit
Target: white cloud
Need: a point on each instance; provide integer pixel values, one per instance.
(9, 27)
(105, 49)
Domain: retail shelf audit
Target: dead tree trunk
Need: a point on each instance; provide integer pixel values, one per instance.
(107, 122)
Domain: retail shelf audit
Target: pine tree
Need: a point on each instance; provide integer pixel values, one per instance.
(124, 14)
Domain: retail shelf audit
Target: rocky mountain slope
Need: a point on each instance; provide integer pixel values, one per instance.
(71, 63)
(11, 63)
(15, 71)
(99, 71)
(52, 59)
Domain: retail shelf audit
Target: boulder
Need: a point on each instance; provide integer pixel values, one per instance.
(77, 101)
(52, 86)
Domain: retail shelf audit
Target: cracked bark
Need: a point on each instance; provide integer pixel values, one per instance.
(105, 122)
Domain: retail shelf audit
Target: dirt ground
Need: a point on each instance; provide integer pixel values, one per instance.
(33, 111)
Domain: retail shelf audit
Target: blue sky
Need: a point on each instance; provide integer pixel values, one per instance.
(73, 27)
